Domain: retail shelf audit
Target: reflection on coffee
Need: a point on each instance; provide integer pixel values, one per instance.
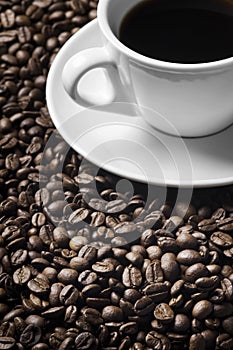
(180, 31)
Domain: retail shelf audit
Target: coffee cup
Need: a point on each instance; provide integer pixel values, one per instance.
(195, 99)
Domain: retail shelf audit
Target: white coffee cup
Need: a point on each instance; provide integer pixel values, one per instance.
(194, 99)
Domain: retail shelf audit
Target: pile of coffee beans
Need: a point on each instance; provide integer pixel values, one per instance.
(79, 271)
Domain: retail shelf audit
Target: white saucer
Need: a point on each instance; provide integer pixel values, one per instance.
(124, 144)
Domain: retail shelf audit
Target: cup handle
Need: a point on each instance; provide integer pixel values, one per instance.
(81, 63)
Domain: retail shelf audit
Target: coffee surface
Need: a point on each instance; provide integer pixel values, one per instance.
(182, 32)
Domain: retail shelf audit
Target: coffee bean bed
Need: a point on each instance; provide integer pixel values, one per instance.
(84, 265)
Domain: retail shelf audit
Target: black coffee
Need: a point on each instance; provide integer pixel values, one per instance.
(190, 31)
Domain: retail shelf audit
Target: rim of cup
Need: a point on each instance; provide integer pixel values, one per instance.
(102, 15)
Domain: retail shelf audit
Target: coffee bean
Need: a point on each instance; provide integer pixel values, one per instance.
(156, 340)
(221, 239)
(227, 325)
(227, 287)
(61, 237)
(181, 323)
(87, 252)
(195, 271)
(202, 309)
(53, 312)
(143, 306)
(8, 18)
(157, 291)
(131, 277)
(134, 258)
(223, 310)
(77, 242)
(163, 313)
(87, 277)
(225, 225)
(55, 291)
(92, 316)
(154, 272)
(38, 219)
(103, 267)
(39, 285)
(71, 314)
(186, 241)
(85, 341)
(112, 313)
(207, 283)
(197, 342)
(207, 225)
(79, 215)
(67, 276)
(69, 295)
(188, 257)
(7, 343)
(22, 275)
(170, 267)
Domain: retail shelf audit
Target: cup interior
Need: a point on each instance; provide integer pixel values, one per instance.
(116, 10)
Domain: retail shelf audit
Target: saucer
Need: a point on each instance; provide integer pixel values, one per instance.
(119, 141)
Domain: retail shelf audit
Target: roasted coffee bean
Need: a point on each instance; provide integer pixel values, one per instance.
(103, 267)
(79, 215)
(156, 340)
(197, 342)
(129, 328)
(71, 314)
(93, 316)
(79, 264)
(202, 309)
(223, 240)
(207, 225)
(55, 291)
(87, 277)
(193, 272)
(85, 341)
(61, 237)
(223, 310)
(224, 341)
(227, 287)
(135, 258)
(87, 252)
(207, 283)
(131, 277)
(163, 313)
(53, 312)
(69, 295)
(7, 343)
(39, 285)
(227, 325)
(170, 267)
(143, 306)
(185, 240)
(67, 276)
(189, 257)
(30, 335)
(112, 314)
(154, 272)
(132, 295)
(126, 306)
(225, 225)
(157, 291)
(22, 275)
(181, 323)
